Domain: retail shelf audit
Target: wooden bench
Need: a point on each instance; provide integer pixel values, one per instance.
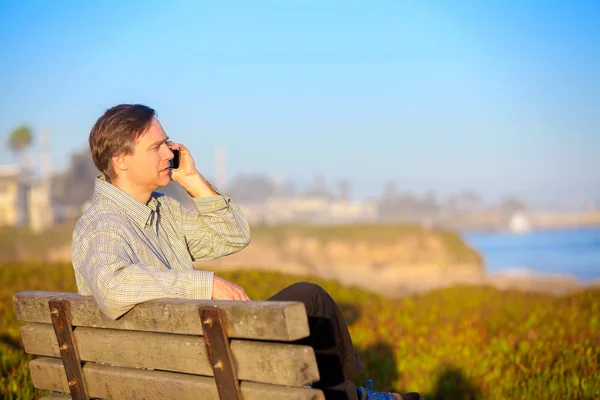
(167, 349)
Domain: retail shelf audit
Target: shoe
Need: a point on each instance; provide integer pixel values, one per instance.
(369, 393)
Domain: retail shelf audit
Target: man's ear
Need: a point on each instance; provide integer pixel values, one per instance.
(120, 162)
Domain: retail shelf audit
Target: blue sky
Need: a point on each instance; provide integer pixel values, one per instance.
(499, 96)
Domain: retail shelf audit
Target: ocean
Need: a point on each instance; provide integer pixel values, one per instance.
(573, 252)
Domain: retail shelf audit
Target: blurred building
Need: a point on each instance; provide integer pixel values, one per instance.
(520, 223)
(24, 199)
(309, 209)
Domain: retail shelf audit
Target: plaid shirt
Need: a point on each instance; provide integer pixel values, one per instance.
(125, 252)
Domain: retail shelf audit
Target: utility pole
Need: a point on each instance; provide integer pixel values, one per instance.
(220, 169)
(45, 157)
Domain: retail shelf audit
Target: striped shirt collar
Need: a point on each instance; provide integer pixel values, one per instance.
(142, 214)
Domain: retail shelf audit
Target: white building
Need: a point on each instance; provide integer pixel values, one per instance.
(311, 209)
(25, 200)
(519, 223)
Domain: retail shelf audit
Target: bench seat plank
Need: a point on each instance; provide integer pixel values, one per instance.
(263, 320)
(278, 363)
(107, 382)
(56, 396)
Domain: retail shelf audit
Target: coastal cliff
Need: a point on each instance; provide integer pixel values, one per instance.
(393, 258)
(386, 256)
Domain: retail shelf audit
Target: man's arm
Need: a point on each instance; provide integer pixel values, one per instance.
(215, 227)
(118, 284)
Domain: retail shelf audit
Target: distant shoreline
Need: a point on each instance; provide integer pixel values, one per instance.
(411, 284)
(534, 230)
(551, 254)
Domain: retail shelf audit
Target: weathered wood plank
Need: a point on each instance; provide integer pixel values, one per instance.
(56, 396)
(282, 364)
(219, 353)
(278, 363)
(61, 321)
(254, 391)
(108, 382)
(264, 320)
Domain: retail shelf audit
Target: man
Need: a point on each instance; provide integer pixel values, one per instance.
(133, 244)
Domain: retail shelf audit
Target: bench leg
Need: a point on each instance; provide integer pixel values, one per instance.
(63, 328)
(217, 345)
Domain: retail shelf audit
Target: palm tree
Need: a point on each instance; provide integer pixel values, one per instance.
(19, 140)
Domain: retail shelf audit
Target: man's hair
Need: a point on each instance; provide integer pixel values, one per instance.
(115, 132)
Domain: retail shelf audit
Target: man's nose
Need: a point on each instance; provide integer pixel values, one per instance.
(170, 153)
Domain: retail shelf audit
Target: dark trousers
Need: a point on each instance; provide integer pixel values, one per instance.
(336, 357)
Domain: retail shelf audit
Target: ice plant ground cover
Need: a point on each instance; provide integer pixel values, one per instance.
(464, 342)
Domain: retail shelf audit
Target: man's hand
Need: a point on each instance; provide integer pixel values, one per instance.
(225, 290)
(187, 175)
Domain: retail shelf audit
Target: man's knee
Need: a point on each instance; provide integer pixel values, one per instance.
(305, 292)
(308, 288)
(309, 293)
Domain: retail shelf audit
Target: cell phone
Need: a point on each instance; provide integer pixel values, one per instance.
(174, 162)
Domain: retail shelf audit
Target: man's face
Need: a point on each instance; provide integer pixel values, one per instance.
(148, 165)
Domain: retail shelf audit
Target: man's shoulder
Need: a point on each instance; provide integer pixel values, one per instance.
(100, 214)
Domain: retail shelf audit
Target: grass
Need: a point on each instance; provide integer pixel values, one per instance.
(456, 343)
(19, 244)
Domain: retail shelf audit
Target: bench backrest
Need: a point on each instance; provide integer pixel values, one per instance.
(168, 348)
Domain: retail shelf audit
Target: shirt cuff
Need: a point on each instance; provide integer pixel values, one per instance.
(211, 203)
(202, 285)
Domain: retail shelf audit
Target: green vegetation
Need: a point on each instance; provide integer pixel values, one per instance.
(457, 343)
(15, 382)
(22, 244)
(20, 139)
